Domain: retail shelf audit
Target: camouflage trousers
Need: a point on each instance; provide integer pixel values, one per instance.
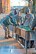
(7, 31)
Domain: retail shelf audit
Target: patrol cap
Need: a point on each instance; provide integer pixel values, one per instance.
(27, 10)
(11, 14)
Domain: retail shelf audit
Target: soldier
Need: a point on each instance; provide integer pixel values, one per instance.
(33, 26)
(14, 22)
(6, 23)
(28, 18)
(28, 21)
(19, 18)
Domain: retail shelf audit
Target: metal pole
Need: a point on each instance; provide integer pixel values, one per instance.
(26, 44)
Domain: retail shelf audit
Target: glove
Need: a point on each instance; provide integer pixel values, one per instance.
(32, 28)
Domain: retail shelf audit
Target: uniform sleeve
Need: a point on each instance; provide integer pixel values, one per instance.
(25, 19)
(34, 23)
(31, 21)
(10, 21)
(13, 20)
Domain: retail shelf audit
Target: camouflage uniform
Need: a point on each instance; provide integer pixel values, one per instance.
(34, 30)
(28, 22)
(6, 23)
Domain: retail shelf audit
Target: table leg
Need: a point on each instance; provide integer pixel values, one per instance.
(27, 37)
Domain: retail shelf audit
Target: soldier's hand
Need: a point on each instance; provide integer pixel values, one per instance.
(32, 28)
